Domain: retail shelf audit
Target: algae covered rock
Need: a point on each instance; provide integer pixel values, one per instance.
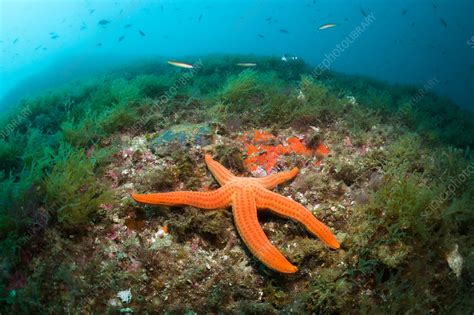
(393, 255)
(185, 134)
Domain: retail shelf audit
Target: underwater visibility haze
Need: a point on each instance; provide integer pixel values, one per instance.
(253, 156)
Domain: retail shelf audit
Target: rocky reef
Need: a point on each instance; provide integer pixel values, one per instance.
(388, 171)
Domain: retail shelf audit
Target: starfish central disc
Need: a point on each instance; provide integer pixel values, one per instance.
(246, 195)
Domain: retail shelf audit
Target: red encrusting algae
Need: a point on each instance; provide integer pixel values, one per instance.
(295, 145)
(263, 150)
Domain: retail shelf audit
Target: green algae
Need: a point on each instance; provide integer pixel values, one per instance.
(72, 191)
(328, 293)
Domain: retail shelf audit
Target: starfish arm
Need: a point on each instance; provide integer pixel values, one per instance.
(291, 209)
(246, 221)
(219, 198)
(221, 174)
(272, 181)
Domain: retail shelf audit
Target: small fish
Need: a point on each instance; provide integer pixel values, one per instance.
(99, 45)
(443, 22)
(180, 64)
(405, 11)
(200, 18)
(326, 26)
(121, 38)
(127, 25)
(282, 30)
(83, 26)
(268, 19)
(91, 11)
(363, 12)
(260, 35)
(38, 47)
(141, 33)
(15, 40)
(54, 36)
(103, 22)
(246, 64)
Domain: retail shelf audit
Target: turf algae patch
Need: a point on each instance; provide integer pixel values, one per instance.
(73, 188)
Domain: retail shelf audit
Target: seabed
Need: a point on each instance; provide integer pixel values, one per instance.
(387, 168)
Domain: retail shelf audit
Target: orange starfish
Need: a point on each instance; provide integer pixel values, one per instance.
(245, 195)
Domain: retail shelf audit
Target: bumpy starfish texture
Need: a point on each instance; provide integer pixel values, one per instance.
(246, 195)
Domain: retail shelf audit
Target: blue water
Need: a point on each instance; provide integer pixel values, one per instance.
(44, 43)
